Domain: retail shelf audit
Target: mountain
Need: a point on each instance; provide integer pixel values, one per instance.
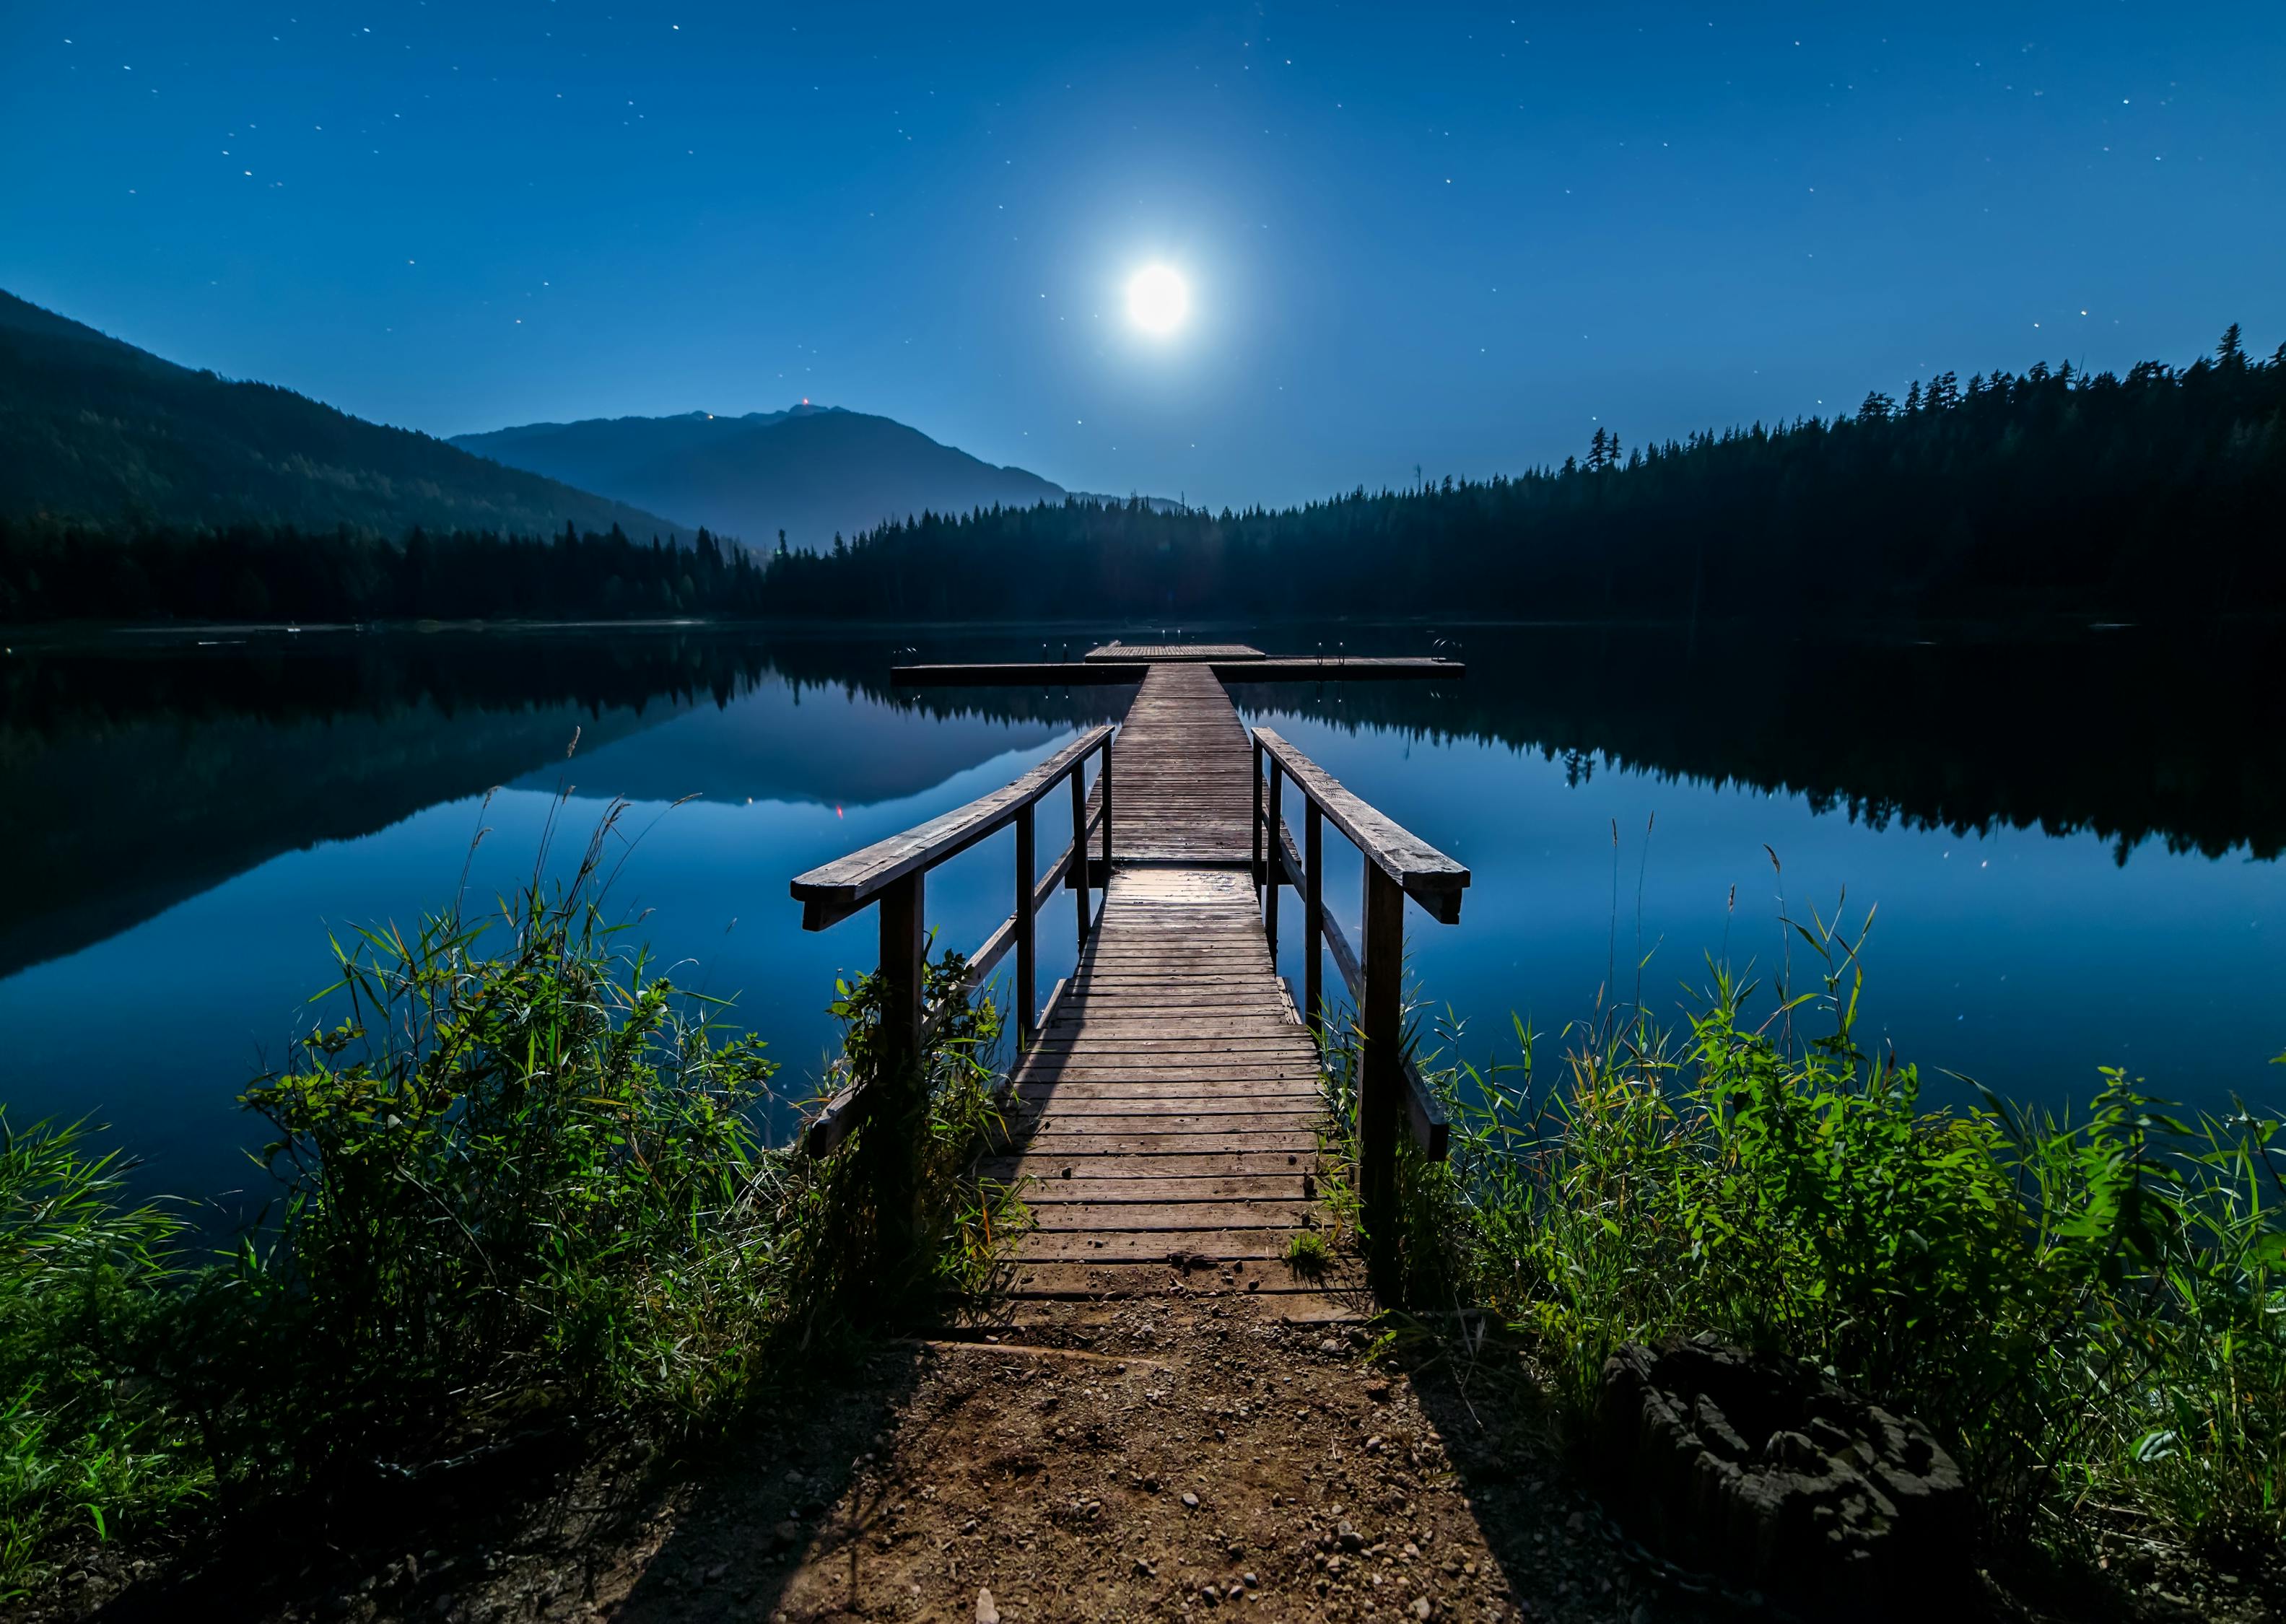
(94, 429)
(811, 472)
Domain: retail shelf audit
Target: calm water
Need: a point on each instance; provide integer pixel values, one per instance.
(2072, 841)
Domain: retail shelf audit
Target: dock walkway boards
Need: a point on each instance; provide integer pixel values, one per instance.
(1165, 1129)
(1182, 790)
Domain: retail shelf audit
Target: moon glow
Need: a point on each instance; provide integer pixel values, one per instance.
(1157, 300)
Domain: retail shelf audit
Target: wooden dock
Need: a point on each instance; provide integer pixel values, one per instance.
(1167, 1109)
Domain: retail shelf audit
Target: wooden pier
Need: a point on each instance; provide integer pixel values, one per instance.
(1166, 1109)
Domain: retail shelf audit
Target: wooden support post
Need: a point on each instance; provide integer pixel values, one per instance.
(1027, 1007)
(1105, 780)
(1313, 918)
(1079, 845)
(1257, 819)
(1380, 1093)
(1273, 835)
(895, 1124)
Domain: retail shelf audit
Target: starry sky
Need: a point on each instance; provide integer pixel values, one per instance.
(1453, 237)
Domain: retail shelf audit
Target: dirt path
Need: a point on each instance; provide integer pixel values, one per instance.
(1166, 1457)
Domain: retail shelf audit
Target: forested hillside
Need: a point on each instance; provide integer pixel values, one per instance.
(94, 429)
(807, 473)
(2164, 490)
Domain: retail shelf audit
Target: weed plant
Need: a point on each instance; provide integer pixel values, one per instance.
(2091, 1312)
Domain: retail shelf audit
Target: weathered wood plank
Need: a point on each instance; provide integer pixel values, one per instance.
(1163, 1216)
(1171, 652)
(1152, 1246)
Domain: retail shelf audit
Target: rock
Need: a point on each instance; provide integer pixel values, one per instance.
(1329, 1346)
(1761, 1471)
(985, 1611)
(1190, 1501)
(1420, 1607)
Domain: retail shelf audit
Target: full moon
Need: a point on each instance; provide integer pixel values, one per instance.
(1157, 300)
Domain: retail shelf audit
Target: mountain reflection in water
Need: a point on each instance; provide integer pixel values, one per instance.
(154, 784)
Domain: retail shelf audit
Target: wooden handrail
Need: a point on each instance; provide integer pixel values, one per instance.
(1424, 1116)
(1397, 864)
(987, 959)
(892, 874)
(1428, 876)
(831, 893)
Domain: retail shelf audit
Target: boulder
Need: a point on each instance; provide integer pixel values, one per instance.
(1763, 1471)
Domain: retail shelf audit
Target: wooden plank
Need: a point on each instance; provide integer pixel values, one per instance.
(1054, 1190)
(1115, 650)
(1191, 1142)
(1114, 1277)
(1152, 1246)
(1161, 1217)
(1055, 1125)
(1147, 1173)
(1117, 1099)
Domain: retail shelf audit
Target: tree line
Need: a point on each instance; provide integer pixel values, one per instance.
(2054, 490)
(2161, 491)
(61, 569)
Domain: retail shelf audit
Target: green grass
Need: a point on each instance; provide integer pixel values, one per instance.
(2091, 1313)
(1308, 1254)
(520, 1183)
(84, 1449)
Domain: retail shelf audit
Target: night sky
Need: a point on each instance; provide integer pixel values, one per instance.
(1453, 237)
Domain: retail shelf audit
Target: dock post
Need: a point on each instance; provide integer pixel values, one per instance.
(1257, 819)
(1313, 918)
(1079, 874)
(1028, 1008)
(898, 1122)
(1273, 837)
(1381, 1090)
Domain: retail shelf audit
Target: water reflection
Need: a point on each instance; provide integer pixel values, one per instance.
(2070, 835)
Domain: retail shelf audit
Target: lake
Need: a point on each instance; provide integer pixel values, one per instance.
(2072, 838)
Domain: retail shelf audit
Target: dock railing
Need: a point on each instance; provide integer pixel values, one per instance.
(892, 875)
(1397, 864)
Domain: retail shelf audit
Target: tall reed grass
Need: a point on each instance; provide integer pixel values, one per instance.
(520, 1182)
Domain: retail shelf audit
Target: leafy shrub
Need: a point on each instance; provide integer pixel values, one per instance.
(2092, 1313)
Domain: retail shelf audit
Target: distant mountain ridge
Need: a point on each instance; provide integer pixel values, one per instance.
(92, 428)
(811, 471)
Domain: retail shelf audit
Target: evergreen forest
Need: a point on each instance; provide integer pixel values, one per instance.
(2158, 493)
